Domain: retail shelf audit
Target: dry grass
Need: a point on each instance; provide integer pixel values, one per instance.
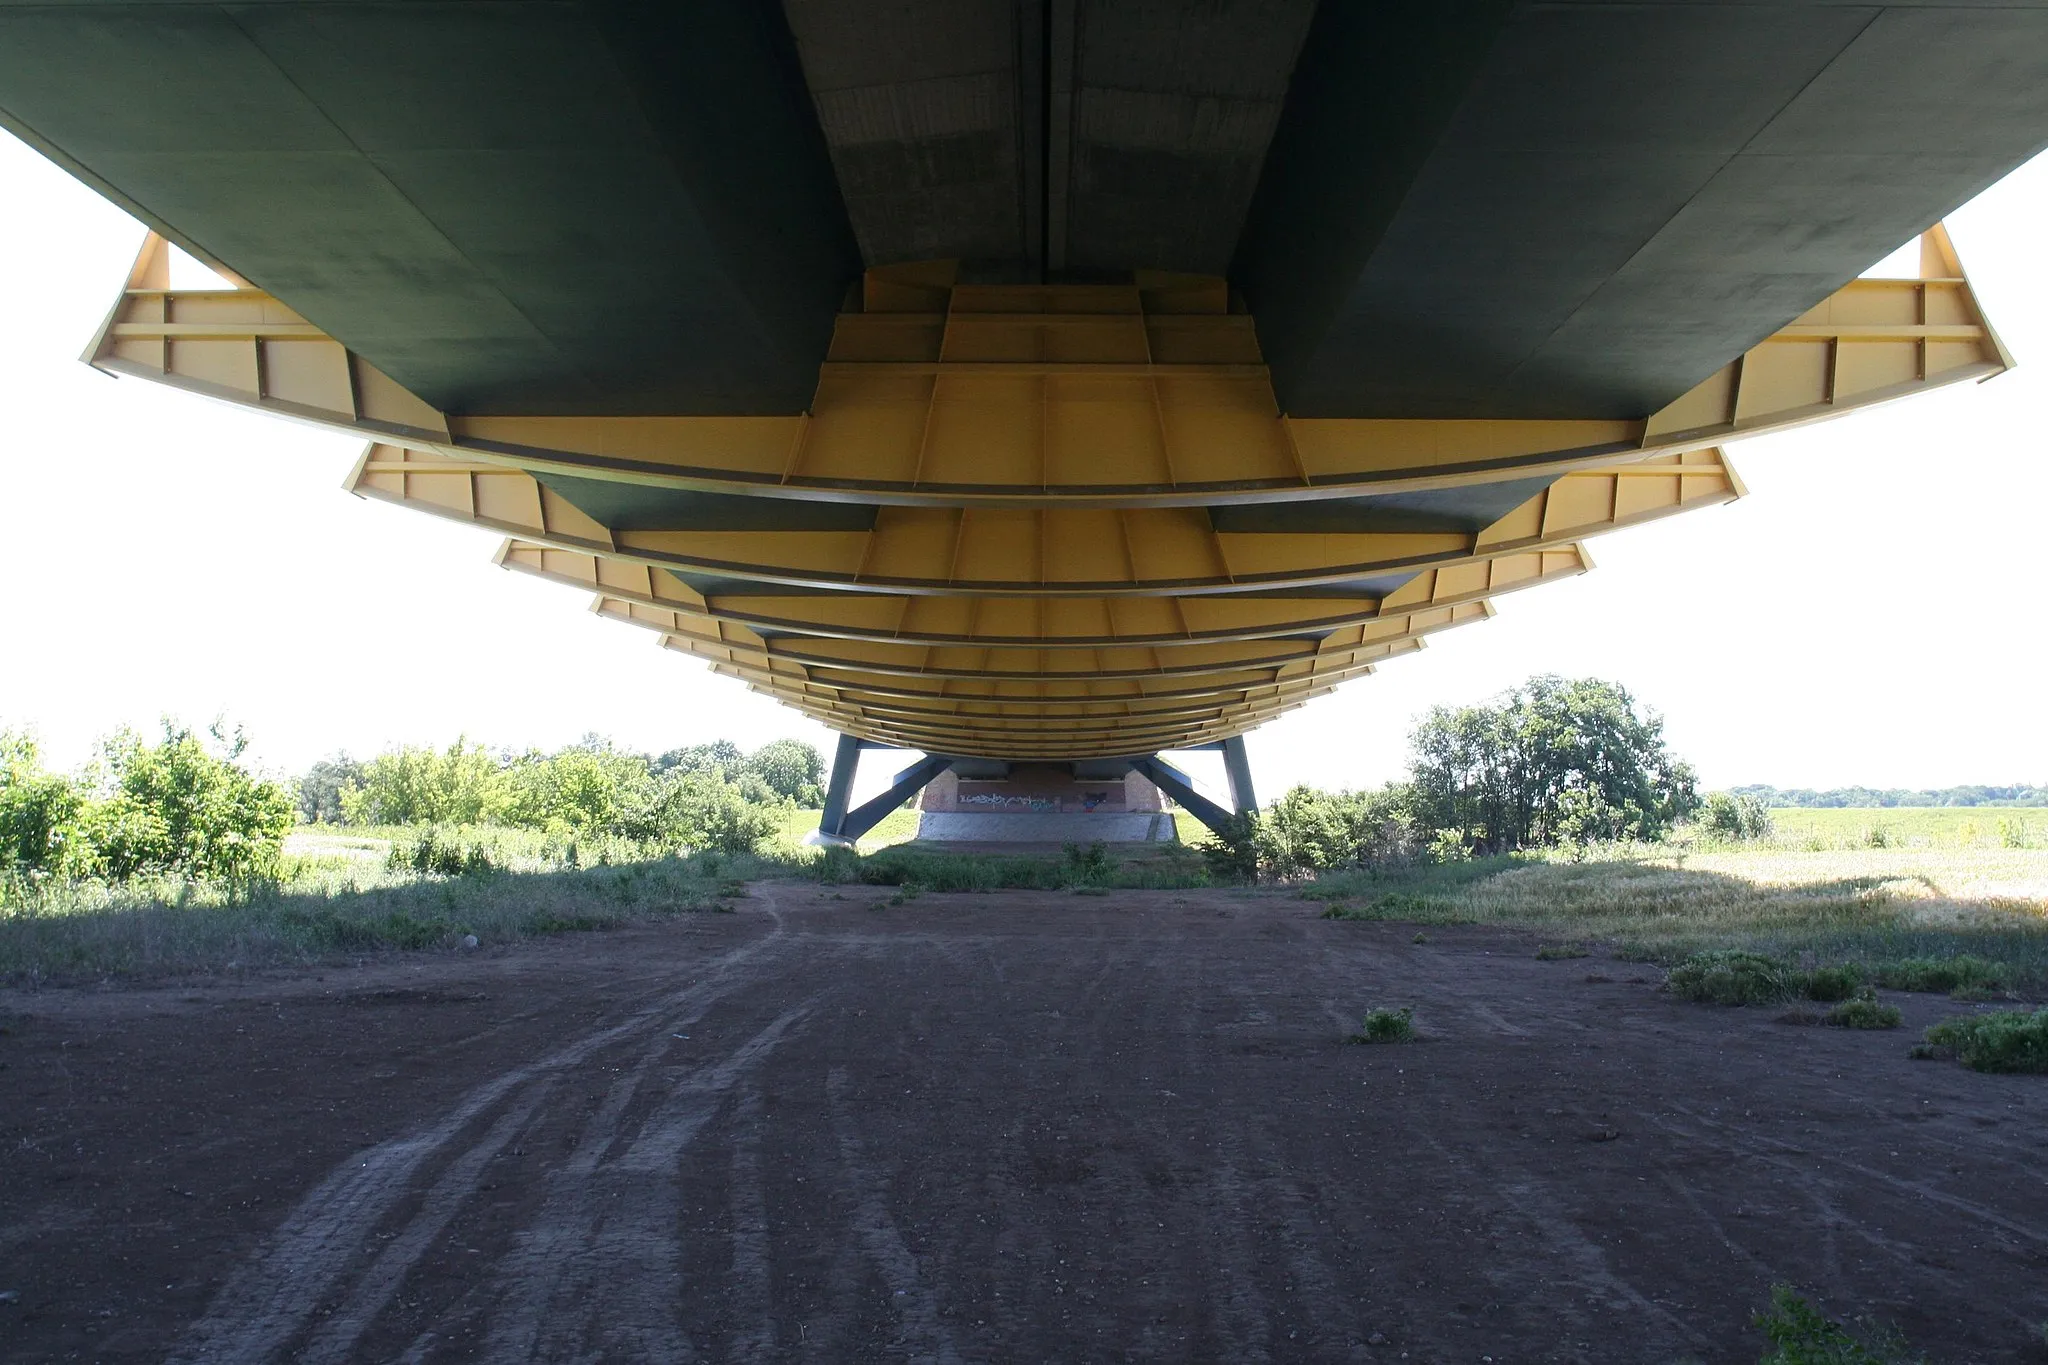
(1867, 905)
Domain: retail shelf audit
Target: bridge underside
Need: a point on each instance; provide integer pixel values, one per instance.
(1036, 380)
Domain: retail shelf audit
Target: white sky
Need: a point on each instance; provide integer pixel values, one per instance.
(1871, 613)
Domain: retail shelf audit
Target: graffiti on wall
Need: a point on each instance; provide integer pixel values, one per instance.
(1005, 801)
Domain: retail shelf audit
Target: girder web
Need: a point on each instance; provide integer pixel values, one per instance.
(1049, 521)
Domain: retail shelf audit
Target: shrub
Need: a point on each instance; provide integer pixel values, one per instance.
(1448, 846)
(696, 808)
(182, 805)
(1731, 815)
(445, 852)
(1865, 1011)
(1308, 831)
(39, 814)
(1803, 1337)
(1943, 974)
(1089, 865)
(1733, 978)
(2002, 1041)
(1387, 1026)
(1827, 984)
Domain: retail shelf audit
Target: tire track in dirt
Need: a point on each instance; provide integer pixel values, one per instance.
(923, 1337)
(597, 1273)
(754, 1288)
(269, 1301)
(1776, 1153)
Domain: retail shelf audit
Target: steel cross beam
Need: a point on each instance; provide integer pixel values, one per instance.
(1181, 788)
(837, 824)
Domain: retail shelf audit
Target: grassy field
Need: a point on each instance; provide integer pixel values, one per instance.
(1911, 827)
(898, 826)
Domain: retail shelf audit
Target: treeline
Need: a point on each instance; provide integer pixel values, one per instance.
(1838, 798)
(184, 805)
(1554, 761)
(706, 795)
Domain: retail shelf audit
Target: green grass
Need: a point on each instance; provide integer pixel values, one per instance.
(1800, 1335)
(897, 827)
(169, 928)
(1168, 867)
(1909, 827)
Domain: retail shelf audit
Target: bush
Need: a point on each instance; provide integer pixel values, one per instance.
(2003, 1041)
(1827, 984)
(1308, 831)
(1088, 865)
(1387, 1026)
(1733, 977)
(697, 808)
(1865, 1011)
(1728, 815)
(39, 814)
(182, 805)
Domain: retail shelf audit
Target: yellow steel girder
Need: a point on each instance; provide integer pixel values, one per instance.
(1129, 396)
(1035, 572)
(1047, 551)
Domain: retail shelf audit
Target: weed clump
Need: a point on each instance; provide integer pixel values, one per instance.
(1733, 977)
(1387, 1026)
(2011, 1041)
(1558, 952)
(1389, 905)
(442, 851)
(1865, 1011)
(1801, 1336)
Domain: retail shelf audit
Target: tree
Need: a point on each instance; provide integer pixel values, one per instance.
(792, 769)
(184, 805)
(319, 791)
(417, 785)
(721, 756)
(1552, 761)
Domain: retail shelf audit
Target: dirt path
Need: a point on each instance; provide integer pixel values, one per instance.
(999, 1127)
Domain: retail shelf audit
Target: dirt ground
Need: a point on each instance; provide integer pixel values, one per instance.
(999, 1127)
